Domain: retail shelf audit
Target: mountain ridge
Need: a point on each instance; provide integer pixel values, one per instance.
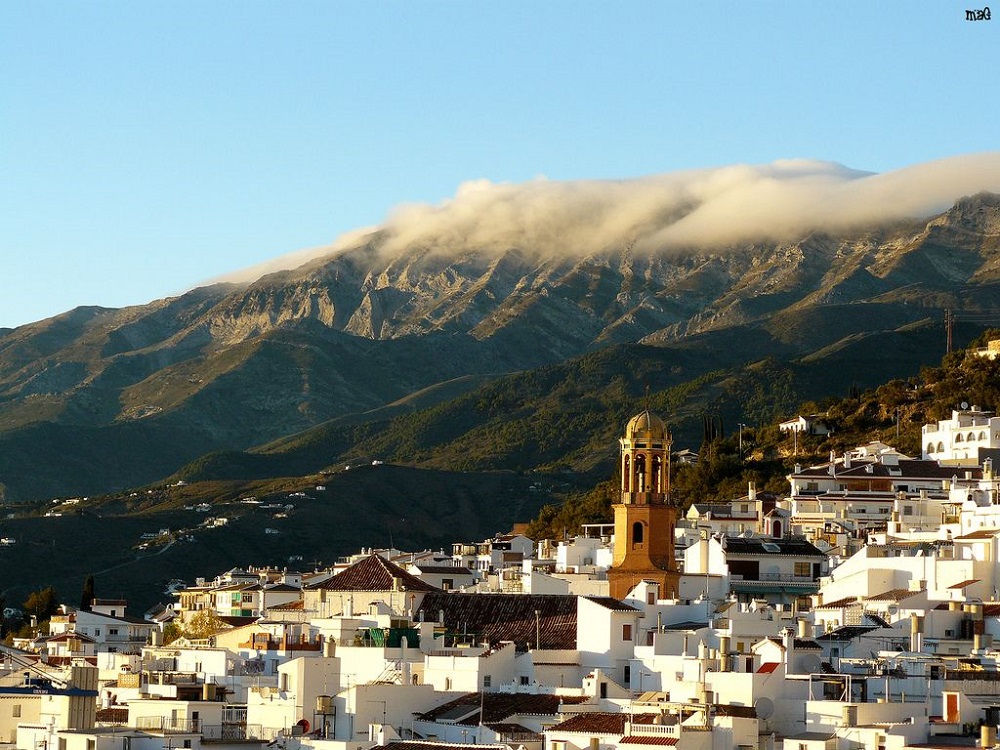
(230, 367)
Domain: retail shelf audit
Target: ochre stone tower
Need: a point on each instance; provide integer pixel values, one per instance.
(645, 517)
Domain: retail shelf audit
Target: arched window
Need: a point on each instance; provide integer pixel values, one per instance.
(776, 529)
(627, 474)
(940, 447)
(930, 447)
(637, 532)
(970, 437)
(640, 473)
(958, 438)
(656, 484)
(982, 435)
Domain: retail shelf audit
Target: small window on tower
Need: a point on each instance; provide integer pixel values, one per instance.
(637, 532)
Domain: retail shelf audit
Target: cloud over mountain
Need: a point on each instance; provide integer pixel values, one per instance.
(705, 208)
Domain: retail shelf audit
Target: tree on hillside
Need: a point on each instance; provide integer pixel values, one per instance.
(204, 624)
(171, 632)
(41, 604)
(88, 595)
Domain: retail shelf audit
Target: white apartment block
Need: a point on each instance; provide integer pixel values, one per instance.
(961, 438)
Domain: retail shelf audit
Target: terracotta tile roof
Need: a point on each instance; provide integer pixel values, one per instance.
(802, 644)
(963, 584)
(500, 706)
(978, 534)
(894, 595)
(518, 731)
(112, 716)
(847, 601)
(597, 722)
(374, 573)
(767, 546)
(237, 622)
(611, 603)
(768, 667)
(846, 633)
(458, 570)
(639, 739)
(283, 587)
(493, 618)
(287, 606)
(414, 745)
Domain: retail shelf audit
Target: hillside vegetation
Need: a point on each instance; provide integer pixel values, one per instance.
(893, 413)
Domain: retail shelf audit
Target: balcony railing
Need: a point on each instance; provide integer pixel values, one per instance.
(168, 724)
(233, 733)
(654, 730)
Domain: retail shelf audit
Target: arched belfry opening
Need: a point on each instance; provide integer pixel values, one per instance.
(645, 515)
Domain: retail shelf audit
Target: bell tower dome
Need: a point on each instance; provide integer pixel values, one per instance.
(645, 517)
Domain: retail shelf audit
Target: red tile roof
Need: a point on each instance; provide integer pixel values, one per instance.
(768, 667)
(894, 595)
(374, 573)
(500, 706)
(652, 739)
(963, 584)
(492, 618)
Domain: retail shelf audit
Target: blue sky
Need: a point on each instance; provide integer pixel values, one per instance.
(147, 147)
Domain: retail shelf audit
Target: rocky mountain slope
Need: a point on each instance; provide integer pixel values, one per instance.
(96, 400)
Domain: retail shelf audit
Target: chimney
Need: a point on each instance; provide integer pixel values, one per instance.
(916, 633)
(804, 627)
(788, 641)
(847, 459)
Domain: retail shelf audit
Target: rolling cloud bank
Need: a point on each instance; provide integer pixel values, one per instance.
(706, 208)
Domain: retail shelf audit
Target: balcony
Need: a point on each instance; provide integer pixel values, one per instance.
(168, 725)
(238, 732)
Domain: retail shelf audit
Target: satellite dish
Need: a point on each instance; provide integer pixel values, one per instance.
(764, 708)
(965, 405)
(810, 662)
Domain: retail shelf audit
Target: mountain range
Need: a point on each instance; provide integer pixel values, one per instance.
(482, 356)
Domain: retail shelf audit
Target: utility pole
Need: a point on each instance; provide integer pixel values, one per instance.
(949, 321)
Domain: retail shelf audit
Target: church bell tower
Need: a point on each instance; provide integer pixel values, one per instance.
(645, 516)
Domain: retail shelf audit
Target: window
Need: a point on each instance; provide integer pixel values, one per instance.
(447, 683)
(16, 710)
(447, 584)
(803, 569)
(97, 631)
(907, 510)
(637, 532)
(112, 631)
(91, 744)
(524, 680)
(487, 680)
(651, 597)
(627, 631)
